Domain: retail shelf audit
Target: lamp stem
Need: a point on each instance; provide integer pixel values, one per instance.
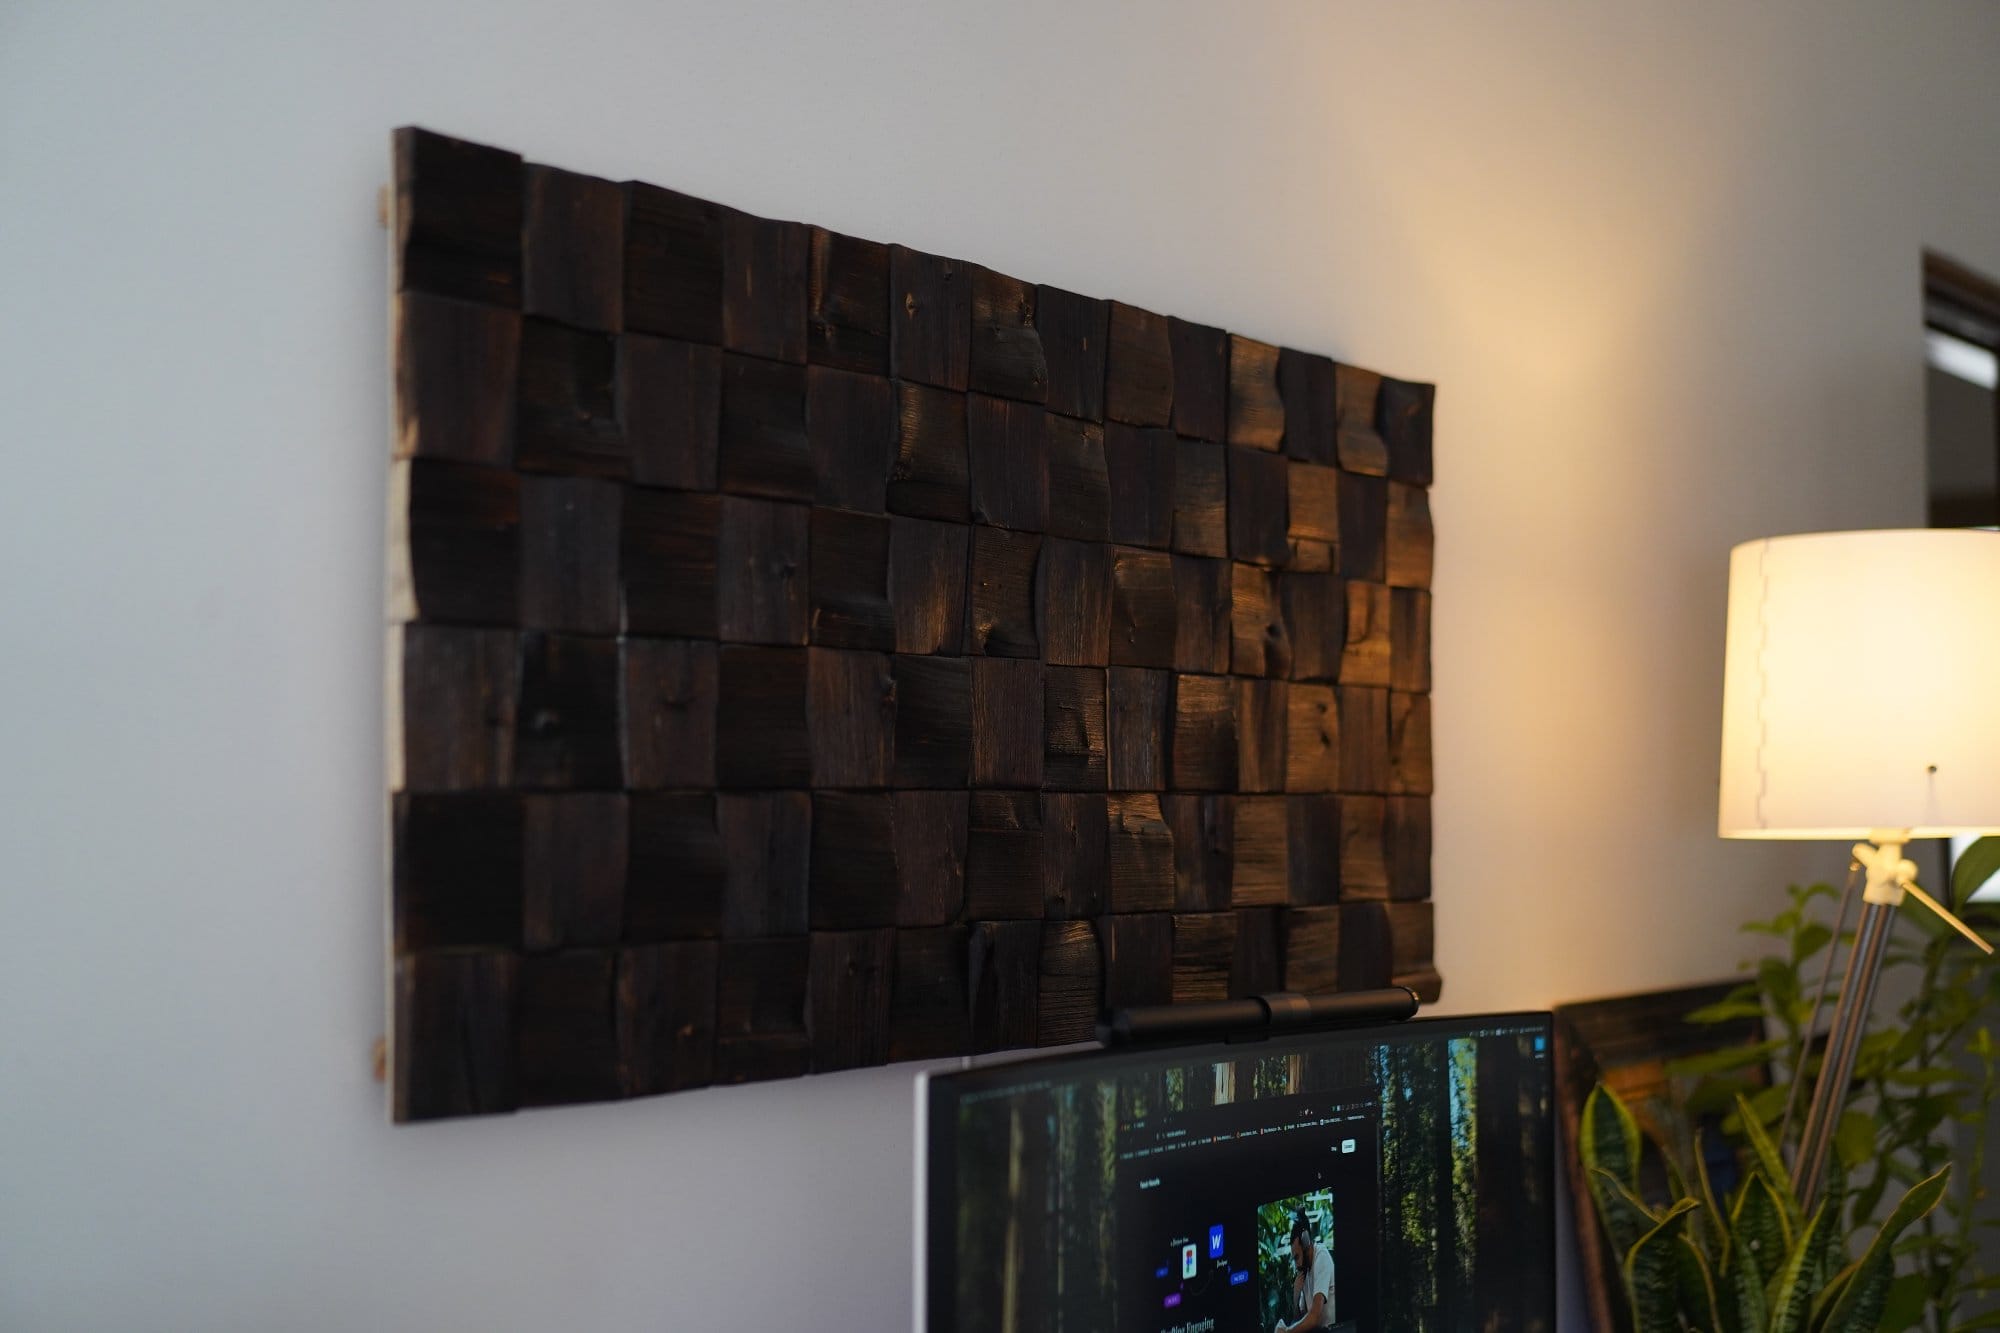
(1850, 1020)
(1819, 1001)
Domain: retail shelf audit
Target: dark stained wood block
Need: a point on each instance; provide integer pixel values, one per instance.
(1306, 383)
(666, 1016)
(670, 405)
(762, 739)
(453, 706)
(1141, 854)
(1360, 444)
(931, 832)
(1144, 628)
(1262, 867)
(677, 870)
(849, 581)
(667, 564)
(1364, 521)
(1364, 739)
(1073, 330)
(573, 249)
(458, 218)
(1138, 959)
(1141, 711)
(929, 566)
(760, 1010)
(1410, 744)
(929, 1006)
(454, 1046)
(847, 309)
(1410, 640)
(1314, 826)
(1003, 860)
(1203, 621)
(670, 694)
(673, 264)
(1071, 980)
(847, 1007)
(1259, 507)
(1201, 380)
(1314, 494)
(1004, 976)
(766, 845)
(1076, 850)
(1259, 966)
(1312, 557)
(1366, 946)
(1260, 635)
(852, 424)
(1409, 539)
(1413, 943)
(1364, 862)
(1006, 723)
(1312, 950)
(1262, 720)
(930, 318)
(573, 850)
(455, 541)
(1204, 955)
(1312, 739)
(1007, 449)
(458, 870)
(566, 1032)
(1073, 603)
(456, 363)
(931, 477)
(1079, 483)
(1201, 498)
(1141, 466)
(1256, 408)
(764, 448)
(1073, 728)
(1006, 349)
(567, 722)
(1003, 592)
(1204, 741)
(566, 403)
(570, 554)
(762, 587)
(1138, 368)
(764, 266)
(1407, 838)
(1204, 832)
(1404, 415)
(1315, 619)
(851, 705)
(854, 877)
(933, 745)
(1365, 657)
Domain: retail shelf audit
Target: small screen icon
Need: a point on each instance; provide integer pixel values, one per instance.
(1215, 1242)
(1347, 1145)
(1190, 1256)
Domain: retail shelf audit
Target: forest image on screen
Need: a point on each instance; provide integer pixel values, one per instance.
(1397, 1184)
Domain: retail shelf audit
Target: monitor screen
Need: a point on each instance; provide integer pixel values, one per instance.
(1396, 1179)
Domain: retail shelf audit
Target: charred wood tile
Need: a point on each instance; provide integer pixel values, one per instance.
(1204, 955)
(1201, 498)
(1409, 538)
(1314, 825)
(931, 832)
(670, 405)
(1364, 739)
(1006, 723)
(847, 319)
(764, 446)
(1204, 832)
(1076, 851)
(1315, 619)
(666, 1016)
(1355, 401)
(1364, 522)
(1366, 946)
(1312, 950)
(764, 286)
(1073, 330)
(455, 539)
(566, 1032)
(1364, 862)
(1004, 975)
(1410, 928)
(1006, 349)
(453, 708)
(847, 1007)
(762, 563)
(567, 723)
(929, 565)
(457, 870)
(1410, 744)
(1204, 614)
(760, 1010)
(566, 403)
(933, 745)
(1079, 483)
(1410, 640)
(1404, 414)
(766, 845)
(1262, 720)
(573, 869)
(1262, 867)
(1141, 854)
(851, 421)
(454, 1045)
(670, 694)
(1073, 756)
(1259, 513)
(1260, 635)
(1070, 981)
(677, 871)
(1306, 383)
(1138, 368)
(1256, 408)
(851, 708)
(762, 738)
(1003, 860)
(1141, 712)
(1138, 959)
(930, 318)
(1007, 446)
(1141, 464)
(456, 364)
(931, 476)
(1201, 380)
(570, 553)
(1204, 740)
(1144, 627)
(573, 249)
(1003, 592)
(1314, 497)
(1407, 833)
(458, 218)
(673, 264)
(929, 1005)
(667, 562)
(1365, 658)
(1073, 603)
(849, 580)
(1259, 966)
(854, 875)
(1312, 739)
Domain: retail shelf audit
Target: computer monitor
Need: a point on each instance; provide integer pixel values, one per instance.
(1403, 1176)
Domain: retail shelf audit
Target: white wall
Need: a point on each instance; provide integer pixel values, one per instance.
(1662, 260)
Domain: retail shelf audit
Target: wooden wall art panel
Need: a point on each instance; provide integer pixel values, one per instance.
(809, 652)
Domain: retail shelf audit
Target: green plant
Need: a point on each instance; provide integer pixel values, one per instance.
(1753, 1263)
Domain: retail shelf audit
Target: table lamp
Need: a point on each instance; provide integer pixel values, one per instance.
(1861, 700)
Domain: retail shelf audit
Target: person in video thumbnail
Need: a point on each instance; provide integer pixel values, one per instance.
(1312, 1288)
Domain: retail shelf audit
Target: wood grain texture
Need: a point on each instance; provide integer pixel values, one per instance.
(848, 602)
(1306, 383)
(1410, 744)
(566, 403)
(1364, 739)
(1138, 959)
(760, 1010)
(1314, 610)
(573, 849)
(762, 588)
(1140, 708)
(1138, 368)
(670, 406)
(1073, 728)
(933, 744)
(1079, 481)
(458, 210)
(1204, 735)
(1259, 965)
(1006, 347)
(847, 1007)
(1404, 414)
(1141, 854)
(931, 477)
(1141, 466)
(1201, 498)
(1073, 603)
(1365, 657)
(1144, 626)
(1312, 950)
(457, 880)
(573, 249)
(456, 363)
(1312, 739)
(1003, 611)
(1262, 721)
(1007, 452)
(1260, 632)
(764, 448)
(1410, 640)
(1364, 861)
(666, 1016)
(1407, 838)
(853, 426)
(454, 1037)
(1204, 833)
(670, 697)
(929, 571)
(454, 543)
(570, 551)
(766, 848)
(1204, 614)
(453, 699)
(1259, 507)
(847, 309)
(1201, 380)
(1364, 528)
(677, 872)
(1313, 493)
(673, 264)
(1074, 333)
(566, 1033)
(1262, 867)
(1412, 932)
(1071, 979)
(854, 880)
(764, 286)
(1314, 828)
(1366, 946)
(1256, 408)
(1006, 723)
(851, 711)
(1076, 850)
(567, 724)
(1204, 955)
(1359, 442)
(1409, 540)
(930, 1013)
(1004, 976)
(1003, 861)
(668, 562)
(762, 738)
(930, 318)
(931, 838)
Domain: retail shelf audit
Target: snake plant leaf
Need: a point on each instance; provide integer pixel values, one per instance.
(1855, 1301)
(1649, 1269)
(1625, 1215)
(1833, 1196)
(1610, 1137)
(1743, 1288)
(1694, 1281)
(1909, 1293)
(1979, 863)
(1859, 1309)
(1791, 1292)
(1768, 1159)
(1763, 1235)
(1714, 1224)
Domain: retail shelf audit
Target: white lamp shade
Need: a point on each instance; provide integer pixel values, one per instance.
(1862, 685)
